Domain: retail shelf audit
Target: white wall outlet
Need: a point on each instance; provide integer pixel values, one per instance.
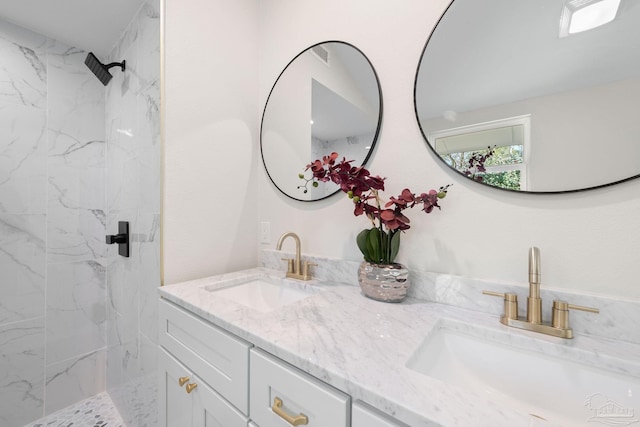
(265, 232)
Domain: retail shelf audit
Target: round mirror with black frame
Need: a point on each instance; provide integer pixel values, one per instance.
(534, 95)
(327, 99)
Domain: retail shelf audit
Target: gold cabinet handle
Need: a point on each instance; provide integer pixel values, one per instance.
(191, 386)
(299, 420)
(183, 380)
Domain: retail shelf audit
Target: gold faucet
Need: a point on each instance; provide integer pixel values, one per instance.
(295, 268)
(559, 326)
(534, 302)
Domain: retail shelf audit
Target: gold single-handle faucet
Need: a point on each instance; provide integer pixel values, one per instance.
(559, 326)
(295, 268)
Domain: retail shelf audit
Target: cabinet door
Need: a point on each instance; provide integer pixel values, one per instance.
(194, 403)
(215, 355)
(363, 416)
(211, 410)
(175, 405)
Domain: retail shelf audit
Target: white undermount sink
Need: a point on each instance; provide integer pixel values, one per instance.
(552, 390)
(265, 293)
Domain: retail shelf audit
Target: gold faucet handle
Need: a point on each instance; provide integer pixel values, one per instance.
(560, 313)
(494, 294)
(305, 269)
(289, 264)
(510, 303)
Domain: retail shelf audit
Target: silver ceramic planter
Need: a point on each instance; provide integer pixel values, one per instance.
(384, 282)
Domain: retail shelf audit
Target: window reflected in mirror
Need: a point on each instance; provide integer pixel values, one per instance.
(492, 153)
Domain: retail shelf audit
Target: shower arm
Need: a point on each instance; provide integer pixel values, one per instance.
(116, 64)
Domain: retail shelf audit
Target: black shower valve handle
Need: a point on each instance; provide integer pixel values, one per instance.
(122, 238)
(116, 238)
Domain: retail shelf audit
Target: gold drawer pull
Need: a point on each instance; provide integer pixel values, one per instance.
(300, 420)
(183, 380)
(191, 386)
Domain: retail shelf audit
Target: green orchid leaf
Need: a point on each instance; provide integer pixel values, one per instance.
(373, 240)
(378, 246)
(361, 240)
(395, 247)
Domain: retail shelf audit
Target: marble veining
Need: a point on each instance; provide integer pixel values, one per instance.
(328, 269)
(362, 347)
(21, 371)
(22, 159)
(22, 262)
(76, 157)
(23, 76)
(616, 314)
(132, 122)
(74, 379)
(75, 309)
(52, 226)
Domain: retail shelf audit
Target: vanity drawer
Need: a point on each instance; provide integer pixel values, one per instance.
(300, 394)
(217, 357)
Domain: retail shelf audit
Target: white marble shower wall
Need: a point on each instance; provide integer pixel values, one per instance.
(52, 226)
(133, 194)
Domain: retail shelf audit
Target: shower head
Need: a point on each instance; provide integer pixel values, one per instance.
(100, 70)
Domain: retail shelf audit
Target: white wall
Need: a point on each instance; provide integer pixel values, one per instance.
(287, 128)
(216, 191)
(211, 149)
(589, 241)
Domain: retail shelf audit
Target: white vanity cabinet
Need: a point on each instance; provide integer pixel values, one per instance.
(283, 395)
(364, 416)
(187, 401)
(213, 359)
(175, 405)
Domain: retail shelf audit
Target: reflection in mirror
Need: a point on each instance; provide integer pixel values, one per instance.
(526, 97)
(327, 99)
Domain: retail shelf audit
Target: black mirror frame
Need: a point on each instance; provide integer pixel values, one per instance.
(432, 149)
(378, 127)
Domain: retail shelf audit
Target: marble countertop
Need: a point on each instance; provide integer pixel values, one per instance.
(362, 346)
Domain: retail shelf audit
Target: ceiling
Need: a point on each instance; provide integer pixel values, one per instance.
(92, 25)
(336, 117)
(492, 52)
